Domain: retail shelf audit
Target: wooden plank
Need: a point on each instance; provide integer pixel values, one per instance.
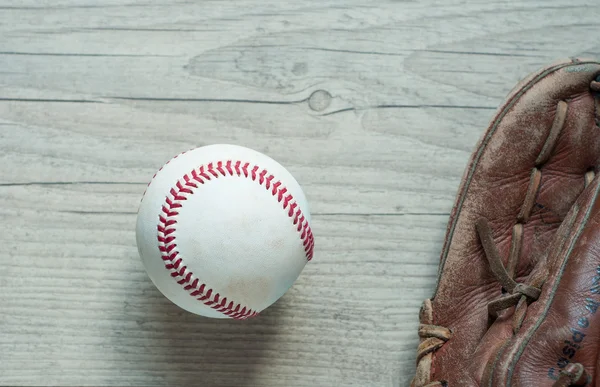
(373, 108)
(78, 306)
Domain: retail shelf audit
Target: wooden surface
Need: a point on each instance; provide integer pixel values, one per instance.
(373, 108)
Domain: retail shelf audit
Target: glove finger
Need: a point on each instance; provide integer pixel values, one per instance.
(526, 172)
(563, 326)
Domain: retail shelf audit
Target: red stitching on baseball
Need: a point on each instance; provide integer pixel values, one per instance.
(275, 188)
(167, 225)
(160, 169)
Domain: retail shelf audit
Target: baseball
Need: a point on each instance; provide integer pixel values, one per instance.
(224, 231)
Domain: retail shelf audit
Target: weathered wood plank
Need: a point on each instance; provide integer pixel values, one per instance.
(373, 108)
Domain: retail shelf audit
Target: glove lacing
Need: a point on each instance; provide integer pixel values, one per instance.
(434, 336)
(573, 375)
(519, 293)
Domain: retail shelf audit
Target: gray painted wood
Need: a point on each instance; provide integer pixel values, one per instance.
(374, 109)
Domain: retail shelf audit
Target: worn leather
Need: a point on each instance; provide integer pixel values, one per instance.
(563, 325)
(538, 154)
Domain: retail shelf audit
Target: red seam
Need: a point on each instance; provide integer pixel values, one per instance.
(160, 169)
(166, 227)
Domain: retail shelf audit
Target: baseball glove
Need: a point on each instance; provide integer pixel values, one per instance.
(519, 278)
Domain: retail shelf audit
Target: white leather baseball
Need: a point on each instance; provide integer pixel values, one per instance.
(224, 231)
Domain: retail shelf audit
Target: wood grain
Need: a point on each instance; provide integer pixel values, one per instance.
(373, 108)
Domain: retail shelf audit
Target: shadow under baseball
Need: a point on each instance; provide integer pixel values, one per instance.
(191, 350)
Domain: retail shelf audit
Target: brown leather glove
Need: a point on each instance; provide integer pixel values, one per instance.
(556, 341)
(515, 301)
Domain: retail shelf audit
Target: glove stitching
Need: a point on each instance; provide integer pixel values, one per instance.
(520, 294)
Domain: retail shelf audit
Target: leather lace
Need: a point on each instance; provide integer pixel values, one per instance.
(518, 292)
(595, 84)
(573, 375)
(520, 295)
